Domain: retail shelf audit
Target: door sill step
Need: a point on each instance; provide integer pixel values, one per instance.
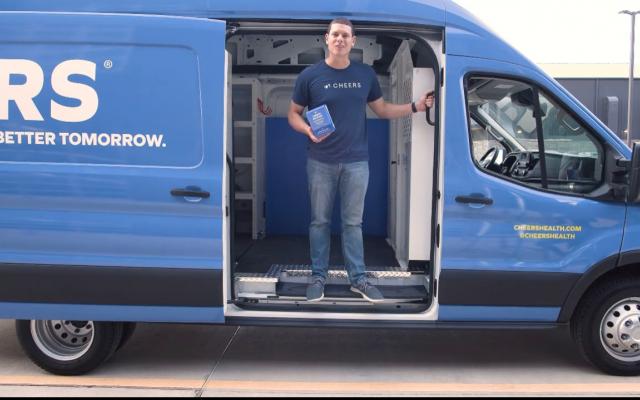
(250, 298)
(333, 305)
(292, 280)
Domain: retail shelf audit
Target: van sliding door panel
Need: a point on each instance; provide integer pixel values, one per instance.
(411, 151)
(98, 126)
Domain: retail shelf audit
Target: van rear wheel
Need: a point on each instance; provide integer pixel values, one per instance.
(606, 326)
(68, 347)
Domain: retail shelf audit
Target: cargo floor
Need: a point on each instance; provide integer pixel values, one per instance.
(259, 255)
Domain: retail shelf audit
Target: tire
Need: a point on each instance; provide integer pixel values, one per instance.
(606, 326)
(68, 347)
(127, 331)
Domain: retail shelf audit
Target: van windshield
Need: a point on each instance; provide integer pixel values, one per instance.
(510, 120)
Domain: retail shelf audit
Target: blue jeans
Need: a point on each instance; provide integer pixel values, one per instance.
(351, 179)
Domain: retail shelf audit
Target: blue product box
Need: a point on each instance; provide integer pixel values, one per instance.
(320, 121)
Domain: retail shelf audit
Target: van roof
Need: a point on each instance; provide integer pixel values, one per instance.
(436, 13)
(430, 12)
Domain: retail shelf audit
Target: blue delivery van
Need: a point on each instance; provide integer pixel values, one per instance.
(149, 175)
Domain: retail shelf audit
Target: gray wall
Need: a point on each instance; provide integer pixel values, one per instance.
(599, 94)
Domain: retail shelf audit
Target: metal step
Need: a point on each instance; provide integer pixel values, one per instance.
(265, 286)
(342, 293)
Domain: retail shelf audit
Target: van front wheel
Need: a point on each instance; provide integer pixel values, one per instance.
(606, 326)
(68, 347)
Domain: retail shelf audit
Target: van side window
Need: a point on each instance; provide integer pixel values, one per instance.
(483, 139)
(574, 159)
(507, 135)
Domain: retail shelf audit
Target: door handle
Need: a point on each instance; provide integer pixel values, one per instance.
(189, 192)
(474, 200)
(428, 111)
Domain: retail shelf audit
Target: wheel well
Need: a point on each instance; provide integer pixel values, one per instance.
(579, 292)
(632, 270)
(605, 319)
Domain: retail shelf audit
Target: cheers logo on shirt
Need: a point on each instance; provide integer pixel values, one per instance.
(343, 85)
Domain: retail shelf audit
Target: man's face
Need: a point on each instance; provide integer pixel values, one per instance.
(340, 40)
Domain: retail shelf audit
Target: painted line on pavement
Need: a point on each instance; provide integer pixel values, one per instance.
(88, 381)
(418, 387)
(327, 387)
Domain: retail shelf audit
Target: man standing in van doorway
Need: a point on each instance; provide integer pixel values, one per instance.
(340, 161)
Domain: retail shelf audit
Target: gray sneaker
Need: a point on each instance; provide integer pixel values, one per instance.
(315, 290)
(368, 291)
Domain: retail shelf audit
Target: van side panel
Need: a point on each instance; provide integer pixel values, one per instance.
(97, 312)
(485, 261)
(98, 124)
(630, 255)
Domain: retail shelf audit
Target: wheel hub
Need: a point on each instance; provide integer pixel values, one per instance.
(61, 339)
(620, 330)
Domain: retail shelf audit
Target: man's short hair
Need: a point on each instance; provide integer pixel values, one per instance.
(342, 21)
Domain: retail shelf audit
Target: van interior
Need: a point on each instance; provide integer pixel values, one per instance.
(268, 196)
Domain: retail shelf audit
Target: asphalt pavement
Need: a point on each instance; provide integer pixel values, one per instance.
(207, 360)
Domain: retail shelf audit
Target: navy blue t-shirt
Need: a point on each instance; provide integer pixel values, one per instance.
(346, 93)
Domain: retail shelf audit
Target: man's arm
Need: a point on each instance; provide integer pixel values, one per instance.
(392, 111)
(298, 123)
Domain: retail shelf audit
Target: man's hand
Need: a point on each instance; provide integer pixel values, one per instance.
(299, 124)
(312, 137)
(425, 102)
(391, 111)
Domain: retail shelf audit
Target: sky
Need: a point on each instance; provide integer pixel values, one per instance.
(563, 31)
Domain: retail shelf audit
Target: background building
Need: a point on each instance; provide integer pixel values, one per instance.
(603, 88)
(583, 45)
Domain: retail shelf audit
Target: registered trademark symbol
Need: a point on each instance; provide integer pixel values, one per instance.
(108, 64)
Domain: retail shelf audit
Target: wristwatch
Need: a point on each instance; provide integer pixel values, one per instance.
(413, 107)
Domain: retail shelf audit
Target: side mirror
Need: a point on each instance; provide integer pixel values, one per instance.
(633, 191)
(568, 122)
